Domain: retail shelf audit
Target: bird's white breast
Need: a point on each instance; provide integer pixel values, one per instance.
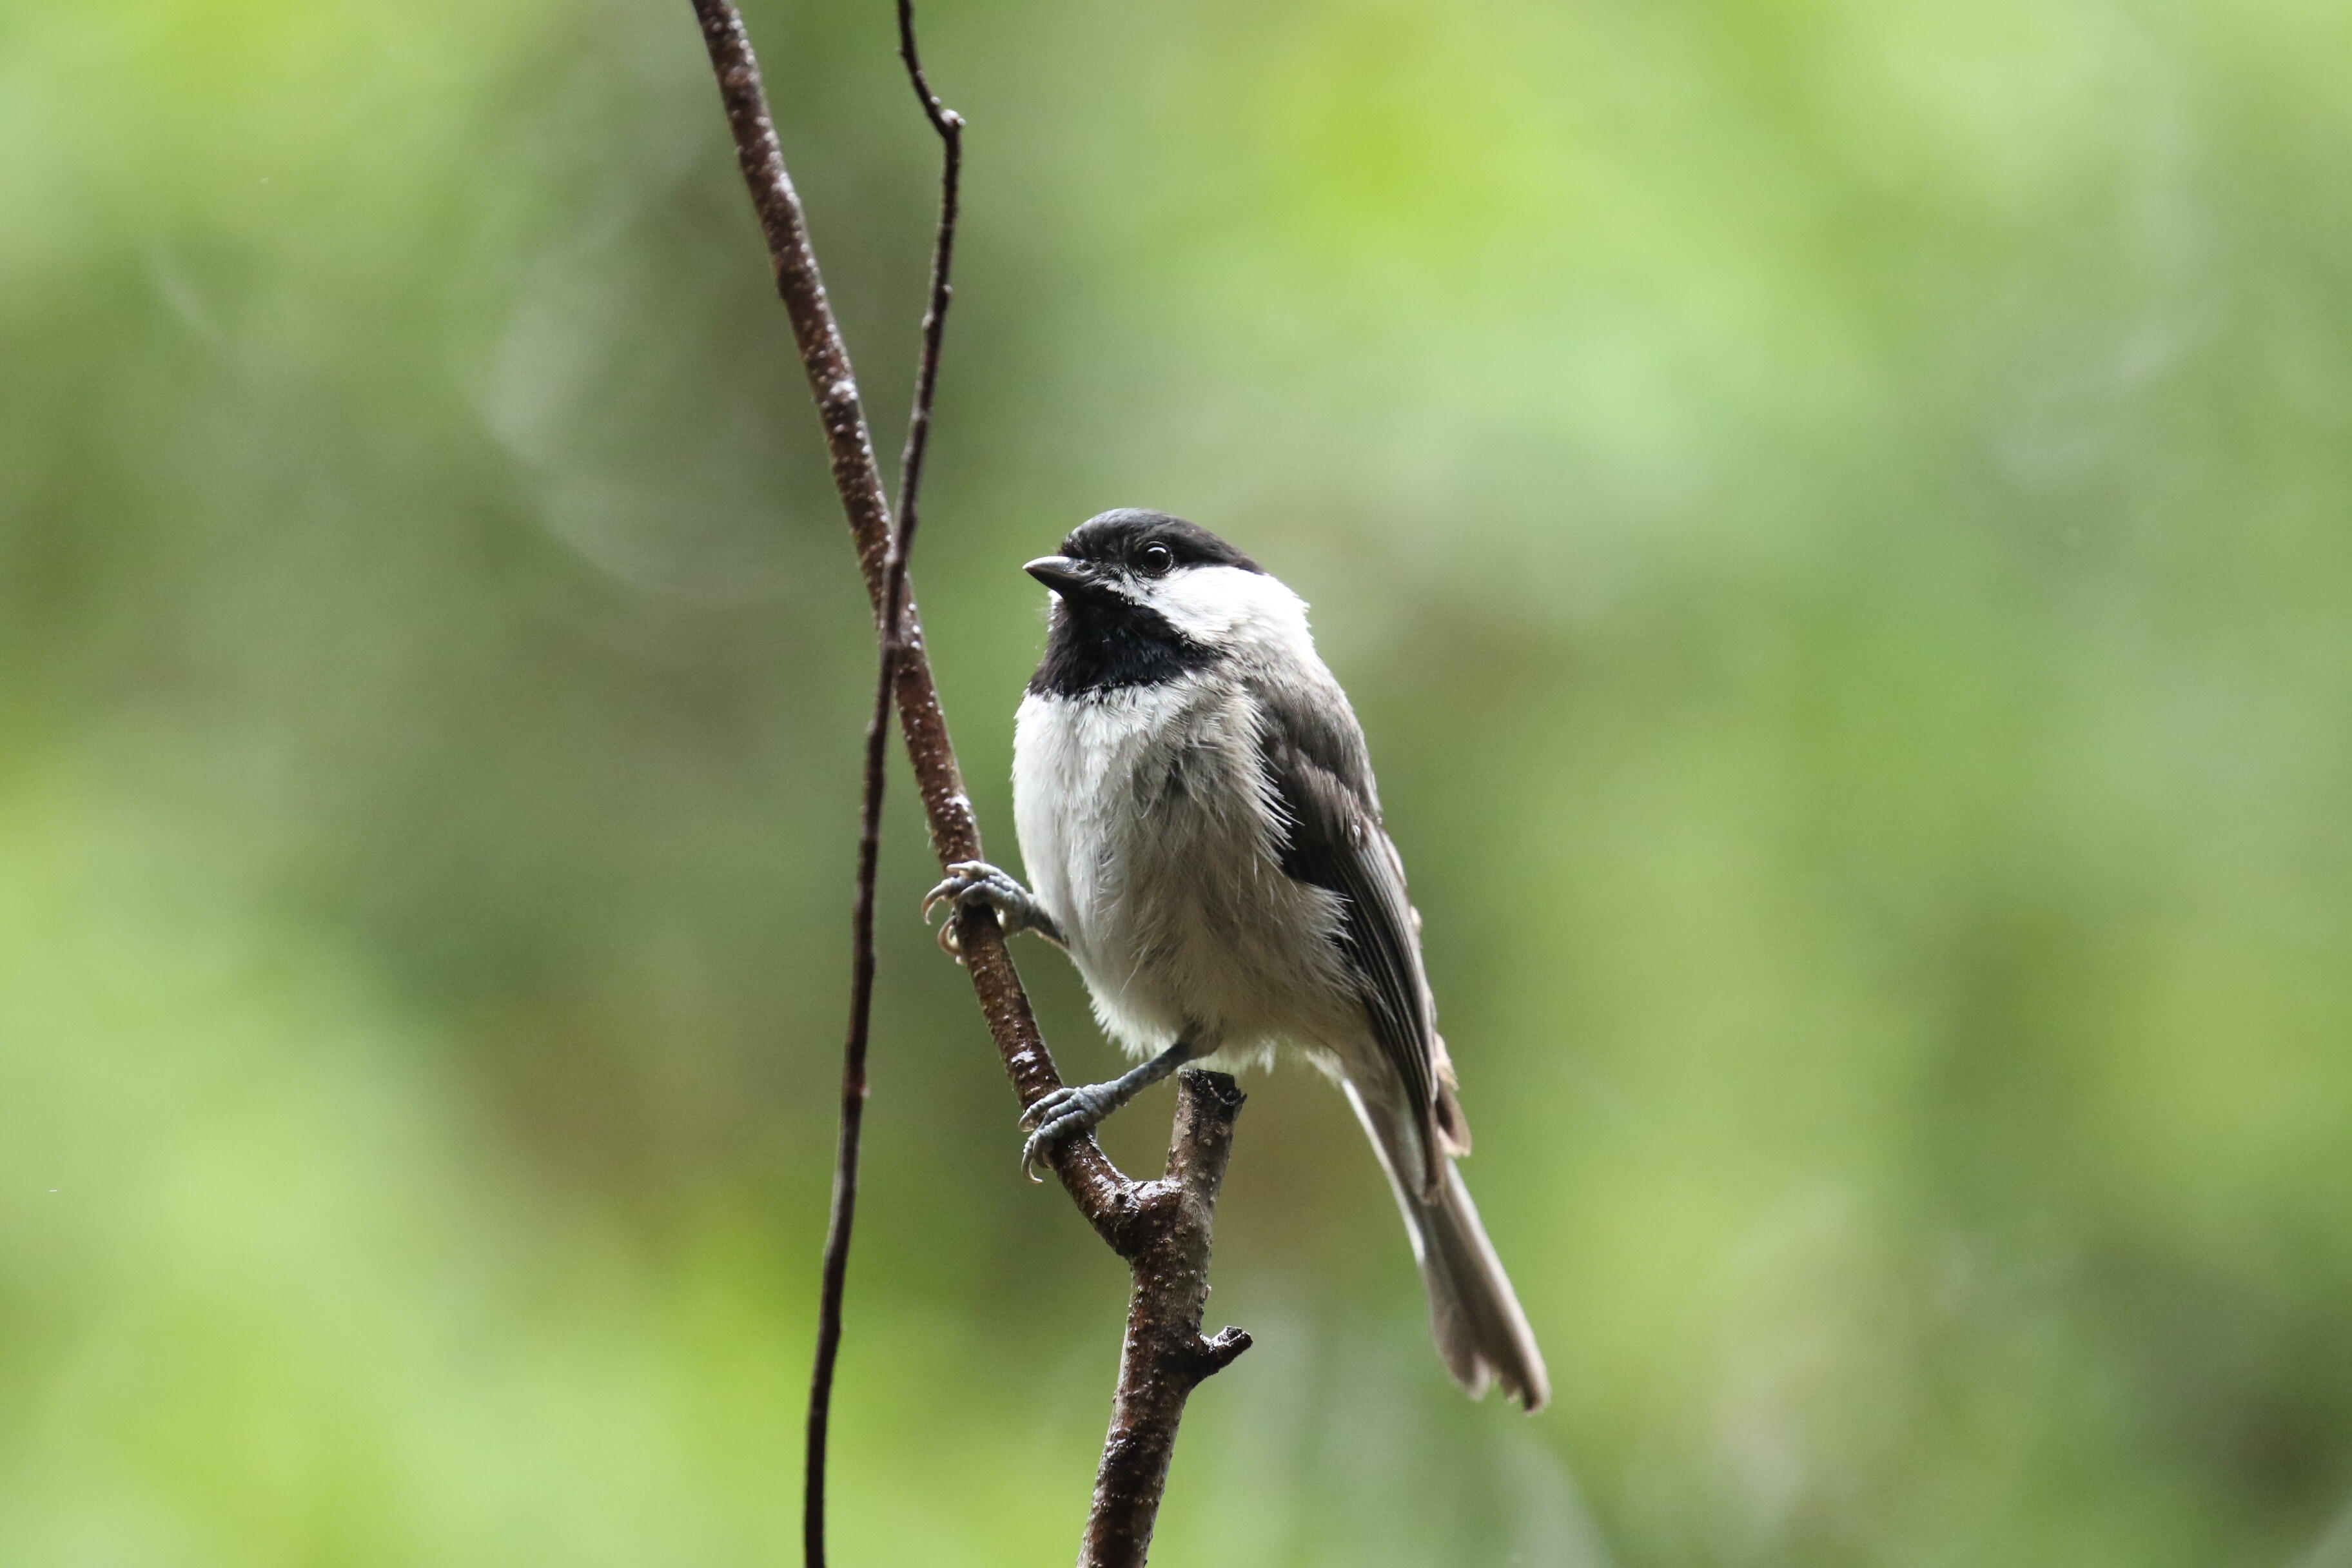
(1146, 832)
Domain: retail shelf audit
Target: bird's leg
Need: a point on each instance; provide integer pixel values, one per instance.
(1074, 1111)
(976, 881)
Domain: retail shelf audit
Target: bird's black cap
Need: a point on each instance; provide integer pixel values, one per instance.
(1122, 534)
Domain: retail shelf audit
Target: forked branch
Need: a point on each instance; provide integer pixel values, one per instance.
(1161, 1228)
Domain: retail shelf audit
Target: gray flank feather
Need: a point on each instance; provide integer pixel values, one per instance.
(1319, 773)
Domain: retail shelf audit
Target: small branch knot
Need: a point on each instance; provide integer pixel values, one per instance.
(1222, 1350)
(1145, 1219)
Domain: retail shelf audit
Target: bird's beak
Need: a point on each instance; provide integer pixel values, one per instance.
(1063, 575)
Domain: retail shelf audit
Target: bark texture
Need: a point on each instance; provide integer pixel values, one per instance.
(1165, 1356)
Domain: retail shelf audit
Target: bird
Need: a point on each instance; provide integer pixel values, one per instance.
(1196, 811)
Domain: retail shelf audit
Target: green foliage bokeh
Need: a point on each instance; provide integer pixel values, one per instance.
(1834, 513)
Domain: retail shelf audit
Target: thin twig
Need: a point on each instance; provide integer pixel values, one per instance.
(949, 126)
(844, 1216)
(836, 1274)
(1161, 1228)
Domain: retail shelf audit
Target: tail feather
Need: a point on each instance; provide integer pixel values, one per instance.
(1482, 1334)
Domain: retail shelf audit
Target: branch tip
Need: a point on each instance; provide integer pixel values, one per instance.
(1223, 1349)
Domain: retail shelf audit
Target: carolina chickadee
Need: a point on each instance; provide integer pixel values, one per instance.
(1195, 802)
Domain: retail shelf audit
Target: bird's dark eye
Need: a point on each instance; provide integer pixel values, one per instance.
(1155, 560)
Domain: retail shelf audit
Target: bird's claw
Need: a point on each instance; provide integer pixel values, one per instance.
(1073, 1111)
(976, 881)
(964, 877)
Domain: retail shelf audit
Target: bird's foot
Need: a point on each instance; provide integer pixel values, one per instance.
(1073, 1111)
(970, 882)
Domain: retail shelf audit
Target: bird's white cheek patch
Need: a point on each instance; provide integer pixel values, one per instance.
(1210, 604)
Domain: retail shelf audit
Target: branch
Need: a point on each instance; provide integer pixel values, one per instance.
(1161, 1228)
(1164, 1357)
(834, 1272)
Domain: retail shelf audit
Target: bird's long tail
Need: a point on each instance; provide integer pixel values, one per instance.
(1474, 1315)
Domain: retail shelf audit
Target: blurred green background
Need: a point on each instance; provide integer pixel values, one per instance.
(1834, 513)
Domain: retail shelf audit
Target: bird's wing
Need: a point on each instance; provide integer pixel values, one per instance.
(1318, 775)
